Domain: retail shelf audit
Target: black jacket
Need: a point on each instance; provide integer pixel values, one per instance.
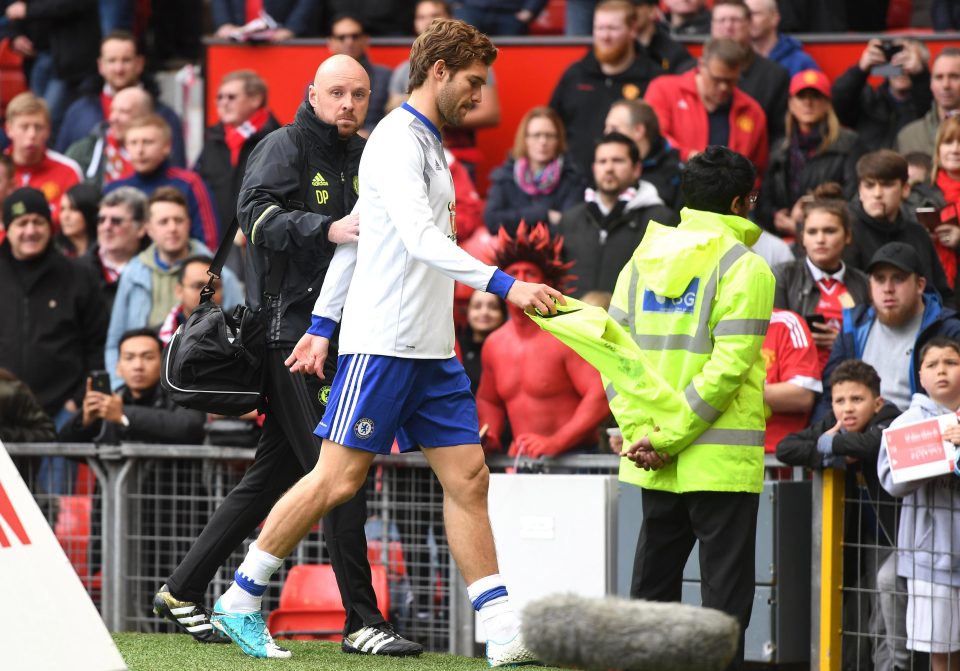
(583, 97)
(22, 420)
(797, 291)
(299, 180)
(837, 163)
(672, 56)
(223, 178)
(601, 246)
(873, 112)
(508, 204)
(73, 28)
(800, 449)
(768, 83)
(869, 235)
(53, 326)
(661, 167)
(154, 418)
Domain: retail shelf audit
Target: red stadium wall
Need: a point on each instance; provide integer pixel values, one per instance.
(526, 74)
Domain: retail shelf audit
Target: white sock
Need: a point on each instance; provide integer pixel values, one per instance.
(490, 600)
(245, 594)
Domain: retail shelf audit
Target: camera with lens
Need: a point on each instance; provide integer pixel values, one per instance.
(890, 48)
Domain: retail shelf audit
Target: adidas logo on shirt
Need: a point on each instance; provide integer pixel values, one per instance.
(318, 180)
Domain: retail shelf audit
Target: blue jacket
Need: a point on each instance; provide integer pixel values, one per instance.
(134, 301)
(857, 322)
(86, 112)
(297, 16)
(789, 53)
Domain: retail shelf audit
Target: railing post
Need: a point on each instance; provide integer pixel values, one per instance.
(828, 595)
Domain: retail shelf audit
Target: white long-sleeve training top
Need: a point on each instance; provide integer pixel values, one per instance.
(395, 287)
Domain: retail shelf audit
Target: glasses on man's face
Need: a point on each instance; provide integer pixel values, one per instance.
(347, 37)
(228, 97)
(110, 221)
(198, 286)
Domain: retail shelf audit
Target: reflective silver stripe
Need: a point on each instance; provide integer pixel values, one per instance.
(744, 437)
(619, 315)
(611, 392)
(741, 327)
(253, 231)
(703, 410)
(632, 298)
(664, 342)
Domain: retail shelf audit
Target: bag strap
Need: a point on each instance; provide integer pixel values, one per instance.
(278, 265)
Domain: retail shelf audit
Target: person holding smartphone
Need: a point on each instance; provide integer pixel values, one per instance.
(819, 286)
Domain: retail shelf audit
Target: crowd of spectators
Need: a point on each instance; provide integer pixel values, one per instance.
(108, 227)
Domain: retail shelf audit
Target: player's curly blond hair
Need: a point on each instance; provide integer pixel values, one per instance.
(534, 245)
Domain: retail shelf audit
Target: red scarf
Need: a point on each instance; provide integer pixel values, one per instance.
(253, 8)
(235, 136)
(951, 193)
(117, 165)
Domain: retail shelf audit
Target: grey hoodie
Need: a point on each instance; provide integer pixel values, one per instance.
(929, 538)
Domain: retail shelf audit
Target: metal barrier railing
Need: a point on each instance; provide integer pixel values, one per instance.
(143, 505)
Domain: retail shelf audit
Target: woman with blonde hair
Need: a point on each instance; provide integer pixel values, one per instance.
(536, 183)
(815, 150)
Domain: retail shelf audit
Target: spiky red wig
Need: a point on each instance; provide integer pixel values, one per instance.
(534, 245)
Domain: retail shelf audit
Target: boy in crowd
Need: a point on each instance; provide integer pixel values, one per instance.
(928, 542)
(849, 438)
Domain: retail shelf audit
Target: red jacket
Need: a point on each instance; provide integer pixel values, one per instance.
(683, 118)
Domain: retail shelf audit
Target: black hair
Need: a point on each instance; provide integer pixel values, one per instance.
(196, 258)
(85, 198)
(140, 333)
(620, 138)
(713, 178)
(855, 370)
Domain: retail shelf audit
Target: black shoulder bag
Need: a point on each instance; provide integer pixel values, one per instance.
(214, 361)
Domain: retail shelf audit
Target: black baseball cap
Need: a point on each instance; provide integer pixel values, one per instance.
(25, 200)
(898, 255)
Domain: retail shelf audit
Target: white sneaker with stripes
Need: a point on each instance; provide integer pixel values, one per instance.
(380, 639)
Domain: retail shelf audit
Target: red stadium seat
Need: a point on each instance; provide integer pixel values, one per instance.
(72, 530)
(310, 607)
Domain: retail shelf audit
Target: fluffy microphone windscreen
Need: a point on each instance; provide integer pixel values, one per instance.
(633, 635)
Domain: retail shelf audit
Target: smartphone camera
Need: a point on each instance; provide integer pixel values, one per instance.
(890, 49)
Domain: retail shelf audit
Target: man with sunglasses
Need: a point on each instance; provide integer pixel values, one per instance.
(705, 107)
(349, 37)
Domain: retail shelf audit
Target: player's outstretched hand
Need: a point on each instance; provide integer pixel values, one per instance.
(308, 356)
(345, 230)
(529, 297)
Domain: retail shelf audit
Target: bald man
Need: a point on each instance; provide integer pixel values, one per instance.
(298, 190)
(100, 154)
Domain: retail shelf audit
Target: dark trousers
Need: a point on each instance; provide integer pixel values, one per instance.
(287, 450)
(725, 523)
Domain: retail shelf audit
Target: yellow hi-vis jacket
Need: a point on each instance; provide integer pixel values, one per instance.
(697, 302)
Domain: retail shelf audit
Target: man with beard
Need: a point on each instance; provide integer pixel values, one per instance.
(614, 69)
(397, 375)
(300, 183)
(602, 232)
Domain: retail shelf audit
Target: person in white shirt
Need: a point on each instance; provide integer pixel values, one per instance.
(397, 374)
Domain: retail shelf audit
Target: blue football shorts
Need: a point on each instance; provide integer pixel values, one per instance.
(421, 402)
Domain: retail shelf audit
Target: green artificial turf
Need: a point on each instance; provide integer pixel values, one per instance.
(177, 652)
